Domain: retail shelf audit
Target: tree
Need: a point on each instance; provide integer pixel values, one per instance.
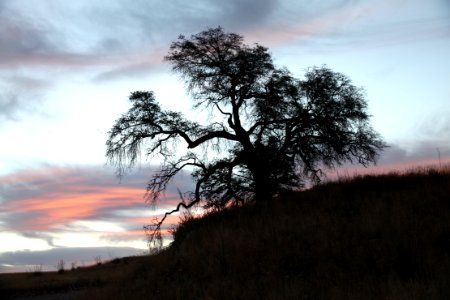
(268, 131)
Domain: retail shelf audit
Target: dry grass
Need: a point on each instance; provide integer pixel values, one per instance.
(373, 237)
(37, 282)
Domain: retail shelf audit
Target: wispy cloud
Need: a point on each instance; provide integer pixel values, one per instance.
(91, 33)
(45, 202)
(20, 93)
(124, 36)
(81, 256)
(350, 25)
(400, 158)
(54, 54)
(116, 40)
(58, 209)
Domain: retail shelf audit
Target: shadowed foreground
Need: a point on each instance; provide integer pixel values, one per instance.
(383, 237)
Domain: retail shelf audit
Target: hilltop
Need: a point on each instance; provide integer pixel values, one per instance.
(368, 237)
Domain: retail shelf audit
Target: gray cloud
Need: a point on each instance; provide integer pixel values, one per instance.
(142, 67)
(85, 33)
(151, 28)
(43, 36)
(190, 17)
(109, 33)
(119, 39)
(431, 137)
(29, 39)
(435, 127)
(116, 39)
(20, 94)
(43, 204)
(9, 106)
(14, 104)
(38, 235)
(48, 259)
(124, 39)
(40, 200)
(392, 155)
(401, 157)
(388, 34)
(20, 38)
(429, 141)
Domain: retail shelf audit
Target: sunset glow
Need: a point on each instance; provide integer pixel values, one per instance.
(67, 69)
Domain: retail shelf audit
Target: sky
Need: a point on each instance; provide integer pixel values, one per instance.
(68, 67)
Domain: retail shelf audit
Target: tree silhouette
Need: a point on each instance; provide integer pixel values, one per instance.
(268, 131)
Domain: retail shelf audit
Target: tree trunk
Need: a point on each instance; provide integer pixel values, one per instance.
(263, 185)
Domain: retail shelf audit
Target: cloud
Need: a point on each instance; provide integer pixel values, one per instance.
(128, 38)
(189, 17)
(20, 38)
(48, 259)
(116, 39)
(155, 26)
(30, 39)
(57, 36)
(20, 94)
(132, 66)
(49, 202)
(434, 127)
(428, 146)
(429, 142)
(9, 106)
(69, 210)
(350, 25)
(399, 158)
(101, 33)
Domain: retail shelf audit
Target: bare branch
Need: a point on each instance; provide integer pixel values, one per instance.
(275, 131)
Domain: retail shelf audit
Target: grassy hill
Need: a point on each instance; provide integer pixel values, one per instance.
(373, 237)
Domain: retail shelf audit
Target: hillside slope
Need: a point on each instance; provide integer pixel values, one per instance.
(383, 237)
(378, 237)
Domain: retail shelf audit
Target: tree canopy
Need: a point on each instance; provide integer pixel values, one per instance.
(269, 132)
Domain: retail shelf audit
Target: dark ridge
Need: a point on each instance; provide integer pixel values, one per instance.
(368, 237)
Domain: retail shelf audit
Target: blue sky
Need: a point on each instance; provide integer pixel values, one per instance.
(67, 68)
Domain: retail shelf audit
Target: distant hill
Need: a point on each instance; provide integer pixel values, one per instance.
(372, 237)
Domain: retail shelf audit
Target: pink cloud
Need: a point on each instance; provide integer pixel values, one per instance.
(54, 208)
(53, 197)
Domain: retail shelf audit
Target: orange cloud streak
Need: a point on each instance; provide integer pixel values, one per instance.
(59, 208)
(55, 198)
